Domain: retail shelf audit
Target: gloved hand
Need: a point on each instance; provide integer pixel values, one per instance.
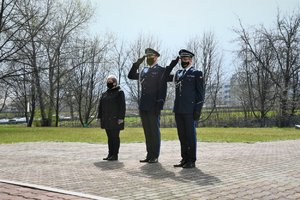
(159, 104)
(197, 115)
(174, 62)
(140, 60)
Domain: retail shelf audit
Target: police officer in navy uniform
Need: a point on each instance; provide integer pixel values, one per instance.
(187, 106)
(153, 93)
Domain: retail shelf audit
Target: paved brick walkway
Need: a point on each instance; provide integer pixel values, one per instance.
(224, 170)
(14, 192)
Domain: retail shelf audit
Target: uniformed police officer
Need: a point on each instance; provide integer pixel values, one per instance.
(151, 102)
(187, 106)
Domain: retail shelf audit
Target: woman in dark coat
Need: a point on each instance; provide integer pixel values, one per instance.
(111, 113)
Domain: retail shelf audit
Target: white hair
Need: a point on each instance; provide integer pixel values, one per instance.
(113, 77)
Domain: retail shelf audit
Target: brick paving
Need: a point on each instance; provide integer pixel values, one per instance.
(15, 192)
(224, 170)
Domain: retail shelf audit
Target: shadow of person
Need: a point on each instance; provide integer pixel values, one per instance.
(156, 171)
(196, 176)
(109, 165)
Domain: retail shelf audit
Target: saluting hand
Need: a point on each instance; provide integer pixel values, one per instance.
(140, 60)
(174, 62)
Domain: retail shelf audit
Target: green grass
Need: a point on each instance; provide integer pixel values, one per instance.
(248, 134)
(9, 134)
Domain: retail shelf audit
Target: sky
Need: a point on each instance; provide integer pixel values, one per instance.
(174, 22)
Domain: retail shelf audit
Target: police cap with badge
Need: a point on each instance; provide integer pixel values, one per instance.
(151, 52)
(185, 53)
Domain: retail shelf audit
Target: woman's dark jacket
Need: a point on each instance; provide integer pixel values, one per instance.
(111, 108)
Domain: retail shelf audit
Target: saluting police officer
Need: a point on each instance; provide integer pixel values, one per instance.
(187, 106)
(151, 102)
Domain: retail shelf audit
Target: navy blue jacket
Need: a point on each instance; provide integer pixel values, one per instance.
(153, 93)
(189, 90)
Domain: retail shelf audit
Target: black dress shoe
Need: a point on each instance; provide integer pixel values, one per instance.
(106, 158)
(112, 158)
(189, 165)
(179, 165)
(145, 160)
(182, 162)
(153, 160)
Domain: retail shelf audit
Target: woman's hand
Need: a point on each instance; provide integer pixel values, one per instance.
(120, 121)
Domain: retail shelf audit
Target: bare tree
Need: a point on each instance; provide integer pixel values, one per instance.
(256, 86)
(119, 60)
(87, 80)
(24, 95)
(295, 100)
(13, 35)
(3, 95)
(283, 40)
(32, 55)
(11, 22)
(58, 44)
(239, 92)
(51, 40)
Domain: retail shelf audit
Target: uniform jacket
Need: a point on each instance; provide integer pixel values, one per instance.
(190, 92)
(154, 90)
(111, 108)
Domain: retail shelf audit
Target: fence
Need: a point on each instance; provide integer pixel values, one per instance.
(225, 117)
(222, 118)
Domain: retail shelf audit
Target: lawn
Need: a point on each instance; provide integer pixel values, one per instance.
(9, 134)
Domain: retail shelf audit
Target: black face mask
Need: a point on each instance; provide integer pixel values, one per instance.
(150, 61)
(110, 85)
(184, 64)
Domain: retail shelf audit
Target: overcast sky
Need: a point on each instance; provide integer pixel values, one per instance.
(175, 21)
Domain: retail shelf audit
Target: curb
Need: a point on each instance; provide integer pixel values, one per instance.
(55, 190)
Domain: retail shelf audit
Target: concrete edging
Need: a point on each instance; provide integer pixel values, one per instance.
(55, 190)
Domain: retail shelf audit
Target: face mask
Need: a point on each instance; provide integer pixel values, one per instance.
(184, 64)
(110, 85)
(150, 61)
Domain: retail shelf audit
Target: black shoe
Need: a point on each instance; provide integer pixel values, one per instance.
(112, 158)
(145, 160)
(107, 157)
(153, 160)
(189, 165)
(182, 162)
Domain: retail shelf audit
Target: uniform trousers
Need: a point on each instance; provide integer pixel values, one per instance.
(151, 124)
(187, 136)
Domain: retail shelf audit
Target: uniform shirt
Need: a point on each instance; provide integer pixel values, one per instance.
(189, 96)
(153, 90)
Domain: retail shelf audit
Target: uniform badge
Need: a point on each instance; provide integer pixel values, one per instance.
(191, 76)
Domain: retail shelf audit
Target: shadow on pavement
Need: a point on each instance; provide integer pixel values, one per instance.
(156, 171)
(195, 175)
(109, 165)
